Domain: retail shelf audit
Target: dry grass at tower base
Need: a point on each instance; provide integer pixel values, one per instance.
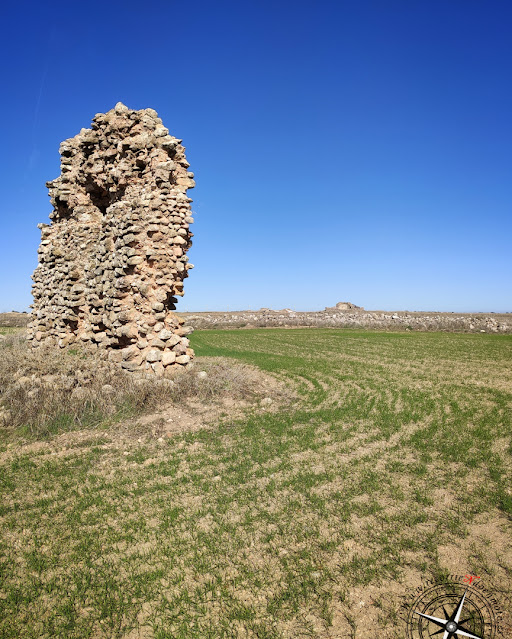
(49, 391)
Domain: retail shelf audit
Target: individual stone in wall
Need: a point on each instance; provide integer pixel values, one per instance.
(113, 260)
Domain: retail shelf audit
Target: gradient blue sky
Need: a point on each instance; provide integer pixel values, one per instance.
(343, 150)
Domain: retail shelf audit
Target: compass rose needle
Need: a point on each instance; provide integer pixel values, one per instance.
(438, 632)
(464, 621)
(436, 620)
(460, 631)
(451, 625)
(439, 622)
(457, 612)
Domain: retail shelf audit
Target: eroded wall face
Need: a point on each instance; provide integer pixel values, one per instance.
(113, 260)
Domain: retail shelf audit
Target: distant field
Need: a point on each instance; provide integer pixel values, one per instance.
(394, 464)
(14, 319)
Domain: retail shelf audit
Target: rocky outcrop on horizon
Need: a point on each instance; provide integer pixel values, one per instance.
(344, 306)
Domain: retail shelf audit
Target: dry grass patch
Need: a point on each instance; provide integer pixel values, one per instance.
(47, 391)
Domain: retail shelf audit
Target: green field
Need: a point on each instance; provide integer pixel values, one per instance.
(308, 520)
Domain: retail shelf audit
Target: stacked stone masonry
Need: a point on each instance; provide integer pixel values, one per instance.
(113, 260)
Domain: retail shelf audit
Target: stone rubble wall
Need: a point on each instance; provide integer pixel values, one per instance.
(113, 260)
(332, 318)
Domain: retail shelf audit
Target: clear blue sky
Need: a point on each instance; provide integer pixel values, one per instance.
(344, 150)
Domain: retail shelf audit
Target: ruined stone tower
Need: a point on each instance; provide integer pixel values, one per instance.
(113, 259)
